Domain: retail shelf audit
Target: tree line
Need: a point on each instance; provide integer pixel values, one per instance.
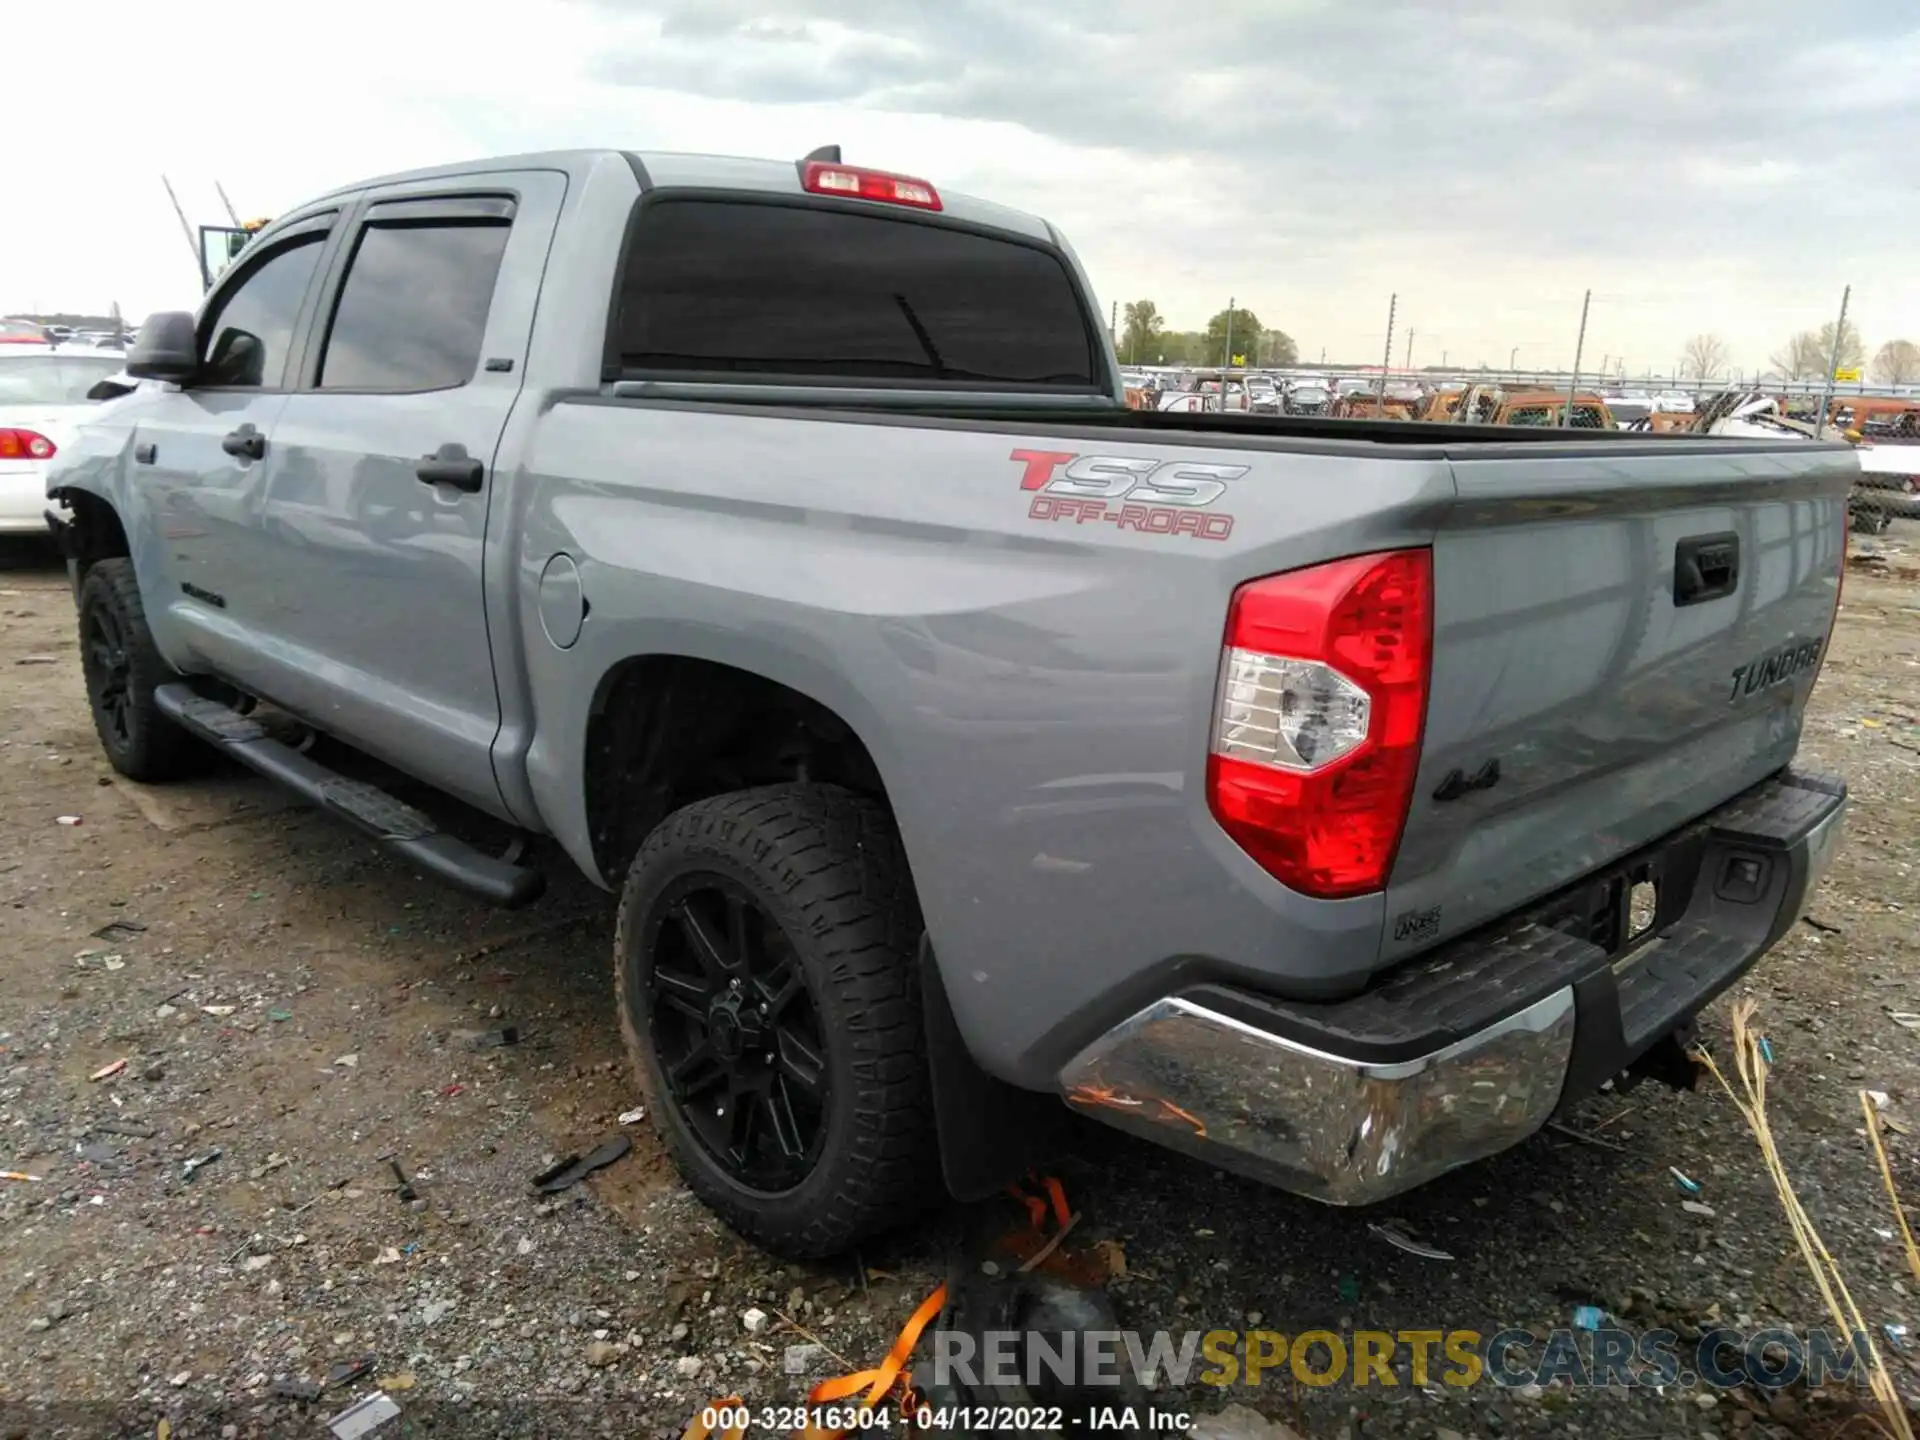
(1144, 339)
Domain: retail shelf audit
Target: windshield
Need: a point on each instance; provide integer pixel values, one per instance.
(53, 379)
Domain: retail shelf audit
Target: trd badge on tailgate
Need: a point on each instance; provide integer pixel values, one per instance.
(1128, 492)
(1774, 669)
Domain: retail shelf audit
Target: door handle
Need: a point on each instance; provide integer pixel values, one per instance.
(246, 443)
(451, 465)
(146, 452)
(1705, 567)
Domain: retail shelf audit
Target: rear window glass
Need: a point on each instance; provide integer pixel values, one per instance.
(53, 379)
(783, 290)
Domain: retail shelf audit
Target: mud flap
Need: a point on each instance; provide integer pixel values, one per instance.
(991, 1133)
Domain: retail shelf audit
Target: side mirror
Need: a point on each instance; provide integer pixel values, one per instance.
(166, 349)
(111, 388)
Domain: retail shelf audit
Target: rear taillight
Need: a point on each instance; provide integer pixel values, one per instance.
(822, 177)
(1323, 695)
(25, 445)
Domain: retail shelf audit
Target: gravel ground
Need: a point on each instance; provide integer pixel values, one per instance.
(284, 995)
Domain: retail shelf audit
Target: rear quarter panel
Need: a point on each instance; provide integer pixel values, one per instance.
(1036, 693)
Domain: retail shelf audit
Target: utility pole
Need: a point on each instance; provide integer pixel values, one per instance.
(1386, 360)
(1833, 363)
(1443, 358)
(1513, 357)
(1226, 362)
(1408, 364)
(1113, 315)
(1573, 381)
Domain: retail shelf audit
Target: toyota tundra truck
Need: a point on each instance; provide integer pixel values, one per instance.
(772, 541)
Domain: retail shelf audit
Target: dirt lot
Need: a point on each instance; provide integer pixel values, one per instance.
(284, 995)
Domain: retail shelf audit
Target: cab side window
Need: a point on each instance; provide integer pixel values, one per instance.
(412, 314)
(250, 334)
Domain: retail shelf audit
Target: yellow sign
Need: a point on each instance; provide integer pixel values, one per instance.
(1847, 377)
(1239, 360)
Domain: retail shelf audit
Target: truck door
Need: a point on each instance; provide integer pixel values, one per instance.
(198, 453)
(381, 467)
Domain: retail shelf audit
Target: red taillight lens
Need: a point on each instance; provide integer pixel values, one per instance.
(1322, 699)
(25, 445)
(824, 178)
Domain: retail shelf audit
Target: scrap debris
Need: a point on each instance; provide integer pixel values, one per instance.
(109, 1070)
(364, 1416)
(566, 1173)
(403, 1187)
(190, 1168)
(1400, 1240)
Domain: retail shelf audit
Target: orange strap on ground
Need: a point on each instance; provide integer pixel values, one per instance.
(698, 1429)
(1037, 1205)
(879, 1382)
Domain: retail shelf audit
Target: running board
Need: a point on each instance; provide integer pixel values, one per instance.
(402, 829)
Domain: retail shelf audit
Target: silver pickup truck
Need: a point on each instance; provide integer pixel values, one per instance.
(1331, 801)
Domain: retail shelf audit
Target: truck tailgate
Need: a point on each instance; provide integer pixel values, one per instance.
(1621, 642)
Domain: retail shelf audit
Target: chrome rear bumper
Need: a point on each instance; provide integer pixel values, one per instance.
(1470, 1049)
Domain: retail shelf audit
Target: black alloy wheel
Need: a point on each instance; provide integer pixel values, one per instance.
(737, 1032)
(109, 671)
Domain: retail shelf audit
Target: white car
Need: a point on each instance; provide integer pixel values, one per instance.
(43, 396)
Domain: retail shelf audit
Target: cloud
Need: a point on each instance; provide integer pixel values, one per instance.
(1723, 165)
(1517, 154)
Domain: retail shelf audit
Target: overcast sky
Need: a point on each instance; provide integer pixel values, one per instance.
(1703, 165)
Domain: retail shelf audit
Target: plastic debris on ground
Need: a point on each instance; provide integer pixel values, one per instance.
(1588, 1317)
(106, 1071)
(19, 1175)
(1766, 1050)
(1695, 1207)
(346, 1372)
(495, 1039)
(66, 819)
(190, 1168)
(1400, 1240)
(566, 1173)
(633, 1116)
(1896, 1335)
(1692, 1187)
(364, 1416)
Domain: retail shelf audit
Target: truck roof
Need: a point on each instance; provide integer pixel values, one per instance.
(684, 170)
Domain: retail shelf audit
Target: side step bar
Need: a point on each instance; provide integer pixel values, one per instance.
(401, 828)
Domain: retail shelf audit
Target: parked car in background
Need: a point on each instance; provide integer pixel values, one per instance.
(1307, 397)
(1673, 402)
(43, 396)
(23, 332)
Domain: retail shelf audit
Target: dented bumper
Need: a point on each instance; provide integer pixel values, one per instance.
(1471, 1048)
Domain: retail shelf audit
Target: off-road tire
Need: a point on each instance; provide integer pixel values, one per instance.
(143, 744)
(826, 866)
